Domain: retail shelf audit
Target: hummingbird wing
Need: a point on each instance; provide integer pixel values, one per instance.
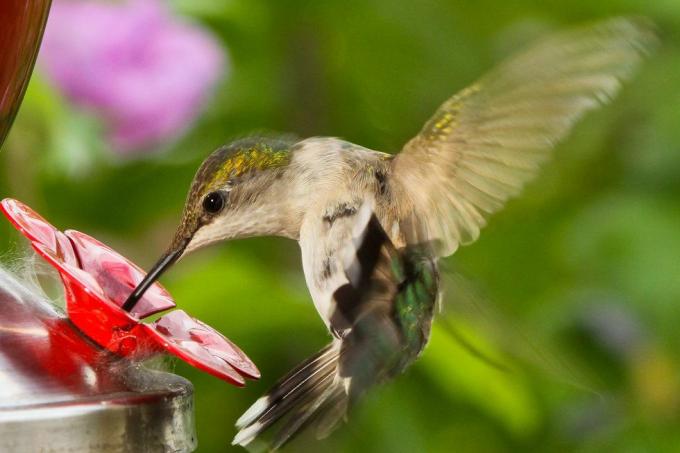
(388, 302)
(487, 141)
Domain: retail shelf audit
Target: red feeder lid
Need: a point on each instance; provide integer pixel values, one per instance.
(97, 280)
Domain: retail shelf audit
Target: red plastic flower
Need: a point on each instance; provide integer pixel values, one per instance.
(97, 280)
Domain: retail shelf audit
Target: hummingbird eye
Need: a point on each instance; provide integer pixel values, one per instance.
(213, 202)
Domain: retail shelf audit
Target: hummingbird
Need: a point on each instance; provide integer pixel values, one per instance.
(372, 226)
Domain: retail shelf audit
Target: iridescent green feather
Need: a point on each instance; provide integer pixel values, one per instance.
(415, 300)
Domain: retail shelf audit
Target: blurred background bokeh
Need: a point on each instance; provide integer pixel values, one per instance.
(559, 330)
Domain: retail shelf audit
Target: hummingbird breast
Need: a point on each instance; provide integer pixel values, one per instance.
(348, 190)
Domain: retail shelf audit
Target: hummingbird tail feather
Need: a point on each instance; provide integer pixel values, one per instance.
(312, 391)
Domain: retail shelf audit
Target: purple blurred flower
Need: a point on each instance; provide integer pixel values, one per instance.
(145, 71)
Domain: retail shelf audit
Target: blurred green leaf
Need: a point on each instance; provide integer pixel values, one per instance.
(503, 393)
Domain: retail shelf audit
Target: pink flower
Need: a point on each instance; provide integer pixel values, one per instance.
(146, 72)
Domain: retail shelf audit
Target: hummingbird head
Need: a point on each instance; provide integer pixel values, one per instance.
(237, 192)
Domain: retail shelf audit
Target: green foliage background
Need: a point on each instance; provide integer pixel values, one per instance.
(571, 297)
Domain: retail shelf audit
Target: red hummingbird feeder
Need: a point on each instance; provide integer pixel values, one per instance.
(97, 280)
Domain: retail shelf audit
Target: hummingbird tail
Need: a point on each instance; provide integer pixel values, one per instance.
(313, 391)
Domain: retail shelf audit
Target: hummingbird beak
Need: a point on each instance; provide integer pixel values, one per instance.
(167, 260)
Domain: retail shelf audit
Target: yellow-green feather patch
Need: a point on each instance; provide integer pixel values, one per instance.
(258, 157)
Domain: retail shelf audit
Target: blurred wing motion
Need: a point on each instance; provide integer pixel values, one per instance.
(486, 142)
(382, 320)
